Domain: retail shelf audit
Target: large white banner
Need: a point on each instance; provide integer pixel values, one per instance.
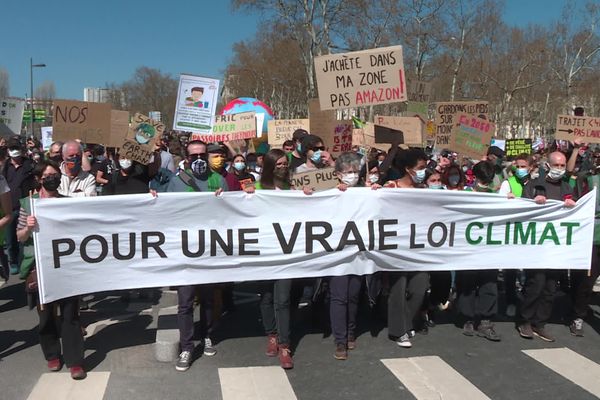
(86, 245)
(196, 104)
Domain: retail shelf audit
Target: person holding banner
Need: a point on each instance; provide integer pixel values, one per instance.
(513, 188)
(407, 289)
(196, 176)
(313, 151)
(478, 290)
(52, 326)
(275, 296)
(345, 290)
(540, 284)
(217, 155)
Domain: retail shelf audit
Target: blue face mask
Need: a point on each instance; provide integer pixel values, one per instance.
(240, 166)
(419, 176)
(521, 172)
(316, 157)
(299, 147)
(435, 186)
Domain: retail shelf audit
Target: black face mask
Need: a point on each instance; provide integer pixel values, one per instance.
(57, 158)
(51, 183)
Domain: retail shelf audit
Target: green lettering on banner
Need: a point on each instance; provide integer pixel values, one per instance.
(550, 234)
(523, 237)
(570, 226)
(468, 233)
(489, 239)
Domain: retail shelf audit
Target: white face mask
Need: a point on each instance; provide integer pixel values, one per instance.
(419, 176)
(556, 174)
(350, 178)
(14, 153)
(124, 163)
(373, 178)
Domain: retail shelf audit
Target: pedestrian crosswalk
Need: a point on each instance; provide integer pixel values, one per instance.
(571, 365)
(60, 386)
(425, 377)
(430, 377)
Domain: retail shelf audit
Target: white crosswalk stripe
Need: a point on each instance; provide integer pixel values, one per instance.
(60, 386)
(429, 378)
(571, 365)
(255, 383)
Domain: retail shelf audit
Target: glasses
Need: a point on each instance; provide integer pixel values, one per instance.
(322, 148)
(196, 156)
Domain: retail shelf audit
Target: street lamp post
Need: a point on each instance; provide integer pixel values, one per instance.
(31, 67)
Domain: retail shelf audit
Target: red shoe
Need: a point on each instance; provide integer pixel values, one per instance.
(54, 364)
(77, 372)
(285, 357)
(272, 346)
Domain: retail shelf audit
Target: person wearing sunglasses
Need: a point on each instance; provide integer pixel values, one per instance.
(315, 154)
(196, 175)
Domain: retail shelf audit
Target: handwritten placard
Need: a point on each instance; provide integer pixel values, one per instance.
(280, 130)
(411, 127)
(471, 136)
(361, 78)
(446, 115)
(570, 127)
(319, 179)
(516, 147)
(419, 91)
(143, 132)
(230, 127)
(83, 120)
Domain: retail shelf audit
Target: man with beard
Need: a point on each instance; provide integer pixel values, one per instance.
(196, 176)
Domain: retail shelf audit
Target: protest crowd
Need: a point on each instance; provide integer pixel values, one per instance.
(562, 170)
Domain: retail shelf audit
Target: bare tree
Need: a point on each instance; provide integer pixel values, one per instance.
(45, 91)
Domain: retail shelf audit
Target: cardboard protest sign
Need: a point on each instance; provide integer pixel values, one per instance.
(336, 135)
(230, 127)
(83, 120)
(138, 145)
(46, 137)
(516, 147)
(411, 127)
(119, 125)
(11, 116)
(365, 136)
(319, 179)
(570, 127)
(361, 78)
(471, 136)
(197, 98)
(419, 91)
(446, 115)
(280, 130)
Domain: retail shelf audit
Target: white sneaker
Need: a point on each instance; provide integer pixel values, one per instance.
(511, 310)
(184, 361)
(209, 350)
(404, 341)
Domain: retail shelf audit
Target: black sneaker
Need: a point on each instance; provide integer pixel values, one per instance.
(486, 330)
(468, 329)
(184, 361)
(542, 334)
(576, 327)
(525, 330)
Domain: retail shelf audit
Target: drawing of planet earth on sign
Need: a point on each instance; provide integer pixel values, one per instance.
(144, 133)
(247, 104)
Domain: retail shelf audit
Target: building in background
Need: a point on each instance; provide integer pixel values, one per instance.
(96, 95)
